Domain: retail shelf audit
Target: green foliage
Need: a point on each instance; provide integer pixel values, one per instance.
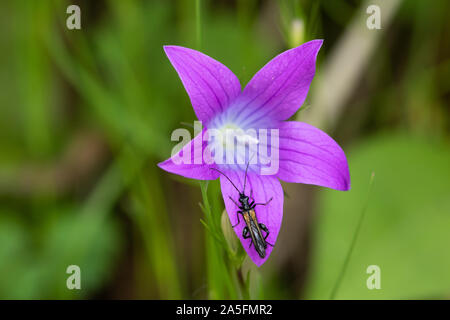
(405, 230)
(225, 276)
(134, 230)
(34, 265)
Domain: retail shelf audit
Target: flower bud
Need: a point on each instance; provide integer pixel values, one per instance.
(228, 232)
(297, 33)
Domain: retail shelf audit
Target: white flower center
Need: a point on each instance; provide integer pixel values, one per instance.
(230, 131)
(232, 144)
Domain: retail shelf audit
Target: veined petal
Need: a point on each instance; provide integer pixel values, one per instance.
(279, 89)
(210, 85)
(189, 162)
(308, 155)
(261, 188)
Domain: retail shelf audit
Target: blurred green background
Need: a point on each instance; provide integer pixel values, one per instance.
(86, 114)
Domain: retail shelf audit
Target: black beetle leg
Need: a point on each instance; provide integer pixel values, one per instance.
(234, 202)
(263, 204)
(245, 233)
(264, 228)
(237, 216)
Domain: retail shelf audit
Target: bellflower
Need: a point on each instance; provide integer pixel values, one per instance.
(303, 153)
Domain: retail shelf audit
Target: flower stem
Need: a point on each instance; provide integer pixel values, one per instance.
(352, 244)
(198, 23)
(243, 284)
(220, 284)
(224, 274)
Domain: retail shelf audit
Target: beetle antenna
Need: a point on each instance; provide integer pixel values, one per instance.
(226, 177)
(246, 169)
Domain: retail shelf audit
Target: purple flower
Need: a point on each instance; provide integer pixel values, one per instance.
(304, 154)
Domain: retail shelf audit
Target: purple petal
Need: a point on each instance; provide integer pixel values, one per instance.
(262, 188)
(279, 89)
(308, 155)
(195, 166)
(210, 85)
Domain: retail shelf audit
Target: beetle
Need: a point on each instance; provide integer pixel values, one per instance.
(247, 210)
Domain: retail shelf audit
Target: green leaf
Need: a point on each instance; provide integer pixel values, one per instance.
(406, 227)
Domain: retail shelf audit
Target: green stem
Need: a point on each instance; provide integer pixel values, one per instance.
(198, 20)
(352, 245)
(243, 284)
(223, 280)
